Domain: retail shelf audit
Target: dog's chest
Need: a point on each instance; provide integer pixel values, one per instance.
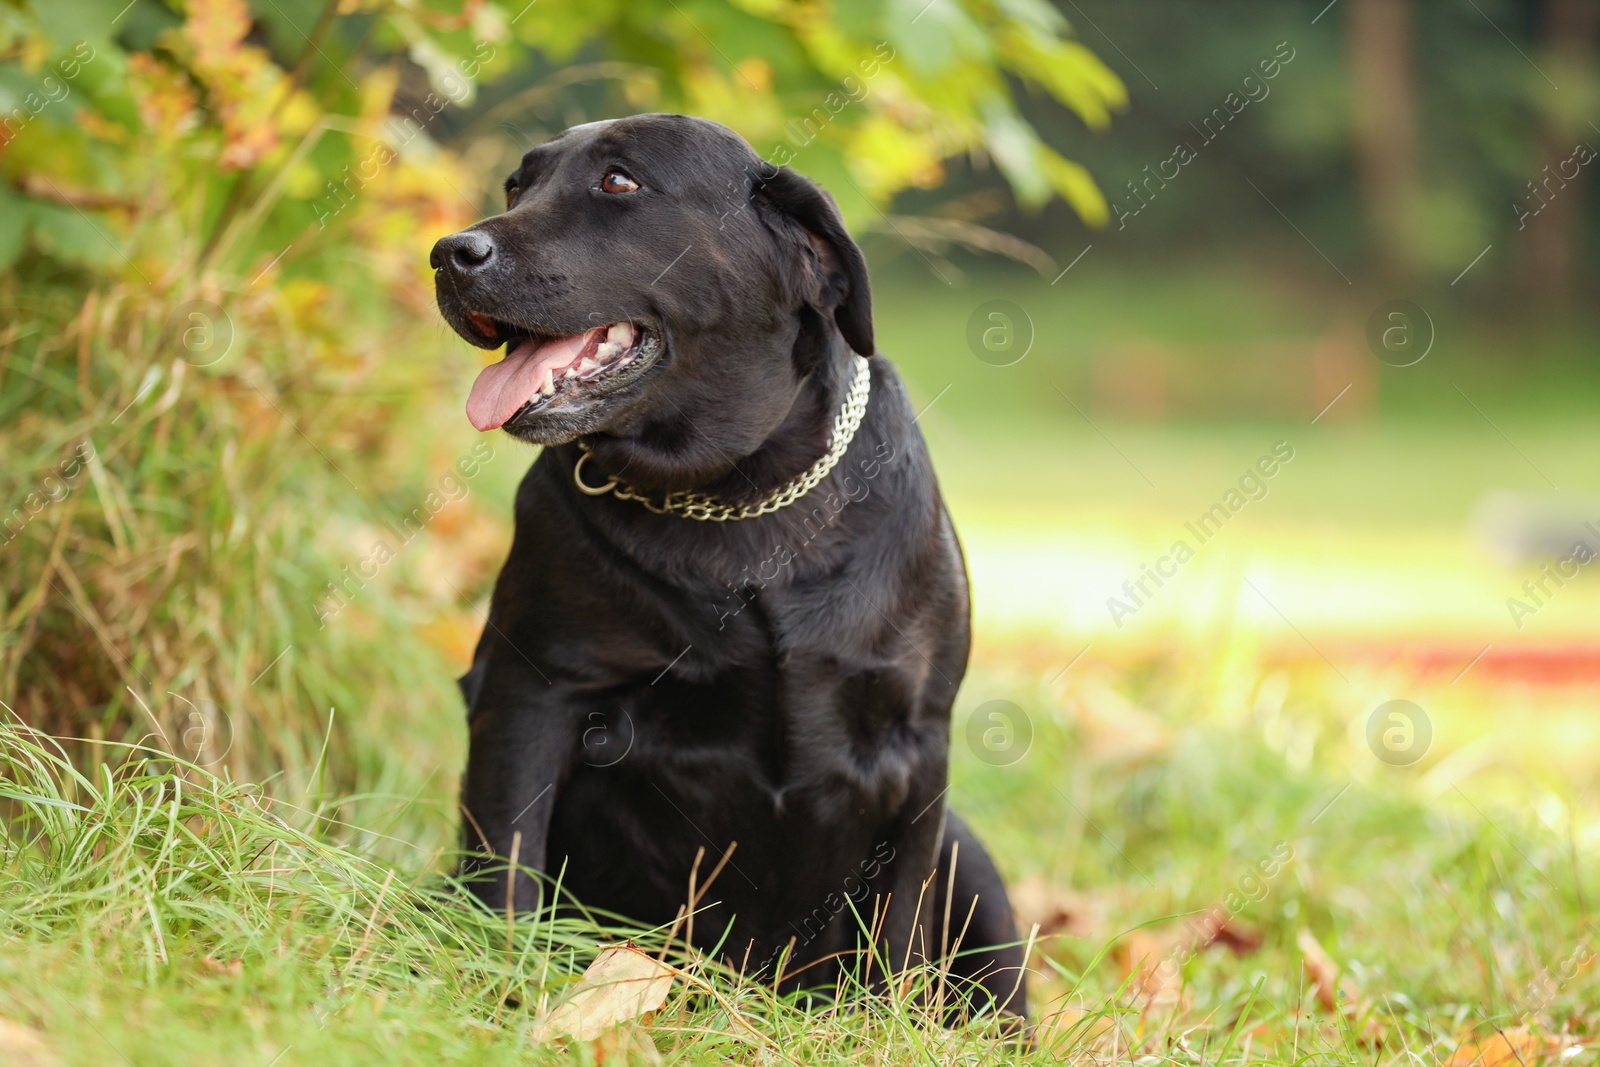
(800, 775)
(776, 758)
(773, 708)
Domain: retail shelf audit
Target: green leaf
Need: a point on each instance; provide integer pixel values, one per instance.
(933, 34)
(1016, 152)
(1075, 184)
(1037, 15)
(67, 21)
(70, 236)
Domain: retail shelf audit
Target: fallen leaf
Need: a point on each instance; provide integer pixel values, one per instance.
(1154, 958)
(23, 1046)
(1324, 975)
(1503, 1048)
(1336, 992)
(1241, 939)
(621, 984)
(626, 1047)
(230, 968)
(1515, 1047)
(1055, 910)
(1153, 961)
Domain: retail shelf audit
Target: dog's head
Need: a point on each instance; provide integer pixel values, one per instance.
(653, 278)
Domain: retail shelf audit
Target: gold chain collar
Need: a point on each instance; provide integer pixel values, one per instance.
(692, 505)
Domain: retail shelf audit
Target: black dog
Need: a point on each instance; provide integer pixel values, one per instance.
(689, 648)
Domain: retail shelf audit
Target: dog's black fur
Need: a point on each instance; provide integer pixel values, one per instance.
(647, 685)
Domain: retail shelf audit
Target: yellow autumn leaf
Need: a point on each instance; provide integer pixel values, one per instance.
(241, 82)
(215, 28)
(1516, 1047)
(621, 984)
(167, 104)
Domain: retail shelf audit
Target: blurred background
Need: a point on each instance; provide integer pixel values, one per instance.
(1254, 341)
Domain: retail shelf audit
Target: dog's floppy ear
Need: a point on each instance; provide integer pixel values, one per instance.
(835, 274)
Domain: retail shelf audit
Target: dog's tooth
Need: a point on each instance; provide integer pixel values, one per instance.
(620, 334)
(607, 351)
(586, 365)
(570, 372)
(549, 385)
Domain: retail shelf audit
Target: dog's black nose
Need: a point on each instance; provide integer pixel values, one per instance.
(467, 251)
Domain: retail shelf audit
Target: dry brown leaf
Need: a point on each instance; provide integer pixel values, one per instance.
(1055, 910)
(621, 985)
(1154, 959)
(1324, 975)
(626, 1046)
(230, 968)
(1154, 962)
(23, 1046)
(1516, 1047)
(1143, 950)
(1328, 983)
(1241, 939)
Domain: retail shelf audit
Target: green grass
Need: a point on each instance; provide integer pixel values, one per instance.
(128, 891)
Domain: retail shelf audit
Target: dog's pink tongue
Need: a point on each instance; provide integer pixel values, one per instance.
(504, 387)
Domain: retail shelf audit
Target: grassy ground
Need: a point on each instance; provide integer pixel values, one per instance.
(158, 915)
(1220, 867)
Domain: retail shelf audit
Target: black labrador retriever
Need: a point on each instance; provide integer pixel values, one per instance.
(735, 609)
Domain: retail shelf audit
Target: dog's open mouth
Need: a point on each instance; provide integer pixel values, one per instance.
(538, 372)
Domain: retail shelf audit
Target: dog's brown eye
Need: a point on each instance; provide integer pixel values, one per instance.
(617, 182)
(511, 196)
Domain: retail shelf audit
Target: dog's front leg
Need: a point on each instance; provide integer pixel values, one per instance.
(907, 939)
(523, 739)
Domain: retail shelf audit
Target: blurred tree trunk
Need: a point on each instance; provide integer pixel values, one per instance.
(1385, 101)
(1551, 239)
